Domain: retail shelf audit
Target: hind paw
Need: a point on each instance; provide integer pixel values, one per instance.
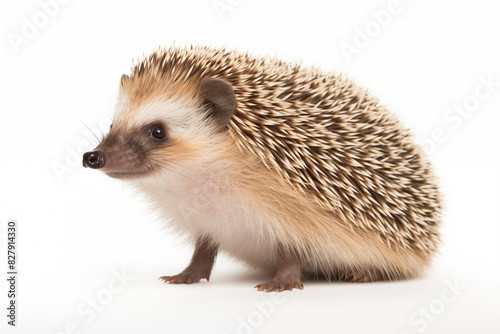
(358, 277)
(279, 286)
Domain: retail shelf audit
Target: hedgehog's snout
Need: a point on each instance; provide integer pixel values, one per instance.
(93, 159)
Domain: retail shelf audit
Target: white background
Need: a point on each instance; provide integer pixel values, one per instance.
(77, 227)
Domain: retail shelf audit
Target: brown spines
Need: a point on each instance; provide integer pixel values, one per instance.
(328, 138)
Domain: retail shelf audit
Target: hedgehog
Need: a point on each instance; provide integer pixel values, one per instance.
(293, 170)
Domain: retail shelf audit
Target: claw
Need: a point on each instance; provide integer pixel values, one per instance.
(183, 278)
(278, 287)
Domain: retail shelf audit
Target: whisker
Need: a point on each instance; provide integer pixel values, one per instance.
(174, 171)
(98, 127)
(92, 132)
(174, 163)
(95, 142)
(157, 182)
(178, 173)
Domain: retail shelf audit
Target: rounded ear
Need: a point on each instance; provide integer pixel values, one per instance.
(218, 96)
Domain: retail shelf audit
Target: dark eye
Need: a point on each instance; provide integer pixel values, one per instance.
(157, 132)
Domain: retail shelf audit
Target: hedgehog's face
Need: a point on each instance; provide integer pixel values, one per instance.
(161, 134)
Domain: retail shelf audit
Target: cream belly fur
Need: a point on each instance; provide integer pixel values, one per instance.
(200, 205)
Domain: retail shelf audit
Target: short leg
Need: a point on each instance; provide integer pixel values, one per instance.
(288, 275)
(201, 264)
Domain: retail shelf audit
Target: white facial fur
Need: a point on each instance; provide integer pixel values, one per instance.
(197, 196)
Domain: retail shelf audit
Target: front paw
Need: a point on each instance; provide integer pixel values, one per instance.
(279, 285)
(184, 278)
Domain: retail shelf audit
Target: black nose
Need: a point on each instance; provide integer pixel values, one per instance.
(93, 159)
